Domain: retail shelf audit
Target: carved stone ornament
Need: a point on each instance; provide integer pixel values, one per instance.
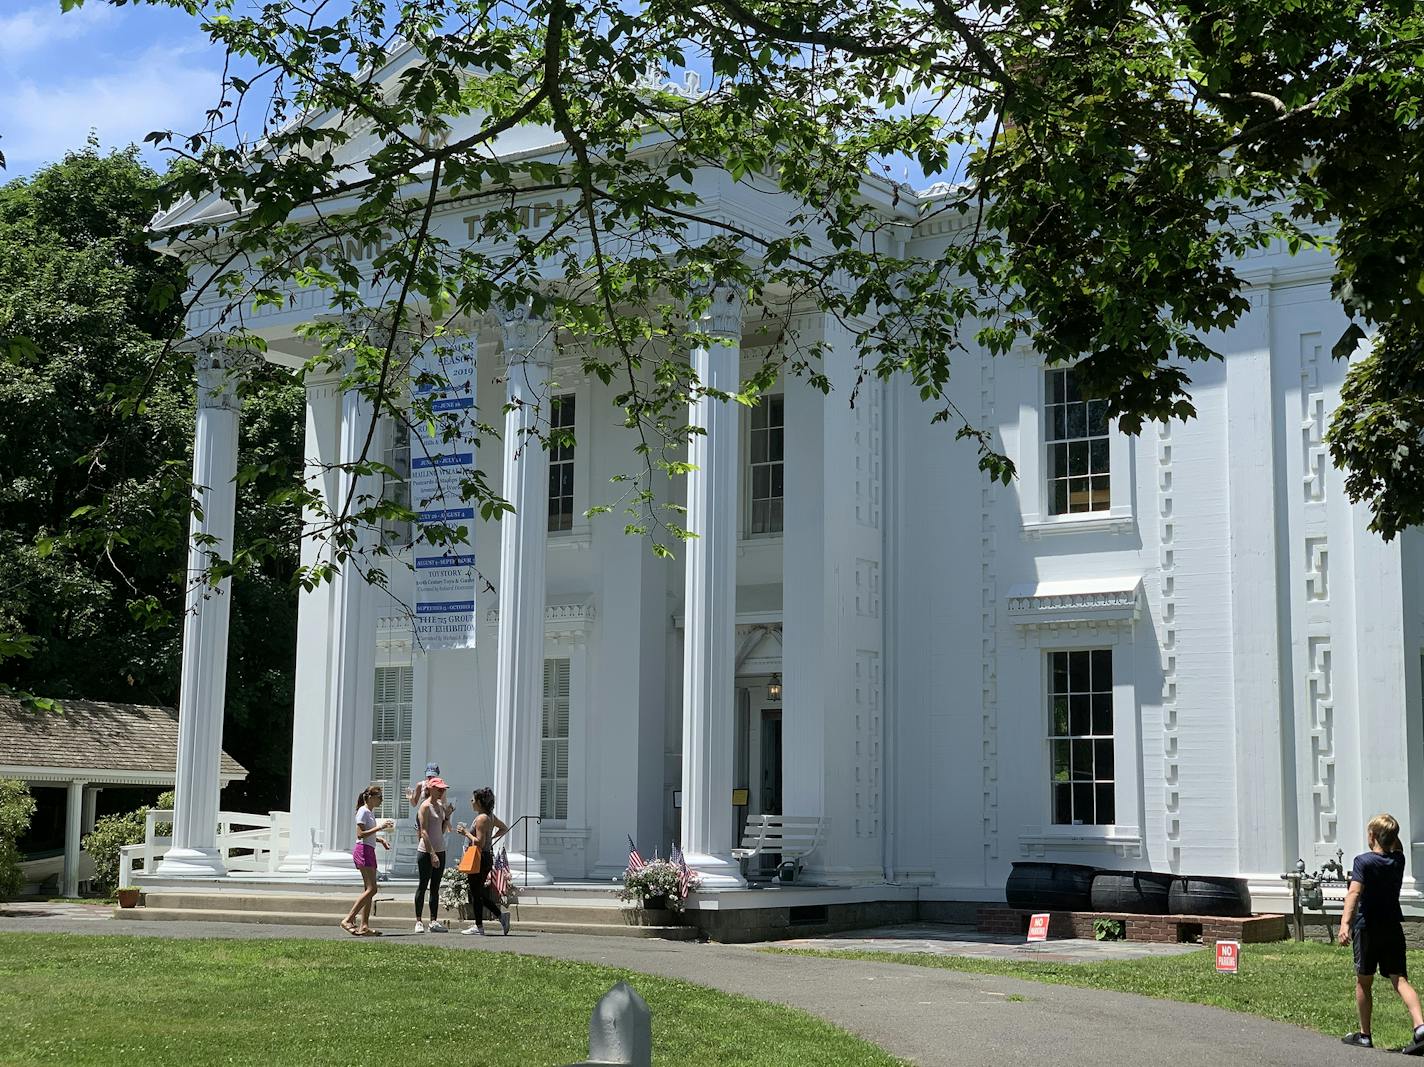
(723, 316)
(221, 366)
(526, 336)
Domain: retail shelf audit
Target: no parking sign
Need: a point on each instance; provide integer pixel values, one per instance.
(1228, 956)
(1038, 928)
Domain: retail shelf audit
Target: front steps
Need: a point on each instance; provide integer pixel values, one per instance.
(578, 912)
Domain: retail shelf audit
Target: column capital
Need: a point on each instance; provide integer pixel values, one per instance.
(527, 337)
(723, 315)
(221, 361)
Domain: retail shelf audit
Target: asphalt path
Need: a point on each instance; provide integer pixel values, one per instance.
(926, 1015)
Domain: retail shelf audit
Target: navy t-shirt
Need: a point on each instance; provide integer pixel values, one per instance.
(1380, 875)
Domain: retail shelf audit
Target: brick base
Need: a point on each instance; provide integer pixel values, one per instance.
(1206, 929)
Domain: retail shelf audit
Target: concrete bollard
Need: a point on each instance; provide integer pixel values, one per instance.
(620, 1031)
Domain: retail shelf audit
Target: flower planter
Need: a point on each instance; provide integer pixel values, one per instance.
(128, 898)
(658, 902)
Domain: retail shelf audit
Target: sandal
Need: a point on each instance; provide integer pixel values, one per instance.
(368, 932)
(349, 927)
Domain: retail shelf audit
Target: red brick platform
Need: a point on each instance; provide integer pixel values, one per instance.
(1180, 929)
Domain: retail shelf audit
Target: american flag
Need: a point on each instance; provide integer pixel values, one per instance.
(635, 861)
(684, 876)
(499, 877)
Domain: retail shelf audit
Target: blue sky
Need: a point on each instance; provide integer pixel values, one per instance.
(120, 71)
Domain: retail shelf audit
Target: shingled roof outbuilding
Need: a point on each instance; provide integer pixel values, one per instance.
(94, 740)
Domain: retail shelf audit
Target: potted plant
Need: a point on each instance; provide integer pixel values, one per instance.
(128, 897)
(655, 886)
(455, 896)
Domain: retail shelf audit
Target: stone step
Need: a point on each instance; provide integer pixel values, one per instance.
(398, 925)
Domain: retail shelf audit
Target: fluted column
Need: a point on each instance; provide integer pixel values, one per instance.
(529, 357)
(203, 684)
(709, 648)
(351, 647)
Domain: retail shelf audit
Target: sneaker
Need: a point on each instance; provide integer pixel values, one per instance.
(438, 927)
(419, 927)
(504, 922)
(1359, 1040)
(474, 928)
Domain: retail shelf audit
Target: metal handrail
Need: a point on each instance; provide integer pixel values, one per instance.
(538, 821)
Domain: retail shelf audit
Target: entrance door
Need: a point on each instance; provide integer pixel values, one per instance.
(770, 791)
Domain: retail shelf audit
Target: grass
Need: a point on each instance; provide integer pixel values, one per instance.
(1309, 985)
(76, 1000)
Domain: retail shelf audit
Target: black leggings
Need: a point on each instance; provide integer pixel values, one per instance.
(482, 894)
(430, 876)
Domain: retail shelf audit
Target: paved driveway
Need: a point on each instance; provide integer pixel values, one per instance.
(928, 1016)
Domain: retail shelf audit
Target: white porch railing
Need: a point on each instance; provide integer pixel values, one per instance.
(246, 842)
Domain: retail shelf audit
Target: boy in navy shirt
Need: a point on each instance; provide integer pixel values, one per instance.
(1373, 921)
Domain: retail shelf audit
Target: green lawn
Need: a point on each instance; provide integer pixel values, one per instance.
(73, 1000)
(1310, 985)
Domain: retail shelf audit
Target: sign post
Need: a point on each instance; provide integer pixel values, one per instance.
(1038, 927)
(1228, 957)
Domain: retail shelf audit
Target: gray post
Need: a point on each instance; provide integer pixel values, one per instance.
(620, 1031)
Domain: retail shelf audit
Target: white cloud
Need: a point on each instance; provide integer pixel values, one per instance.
(36, 28)
(160, 89)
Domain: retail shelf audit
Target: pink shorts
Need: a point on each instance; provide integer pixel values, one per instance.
(364, 855)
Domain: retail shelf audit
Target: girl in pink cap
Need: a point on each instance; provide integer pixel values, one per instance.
(432, 822)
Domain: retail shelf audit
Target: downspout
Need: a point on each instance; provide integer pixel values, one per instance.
(889, 620)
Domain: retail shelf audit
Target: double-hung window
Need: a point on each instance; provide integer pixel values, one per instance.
(561, 464)
(767, 467)
(1077, 440)
(1080, 712)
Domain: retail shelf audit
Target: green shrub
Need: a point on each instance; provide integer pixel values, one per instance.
(16, 808)
(1109, 929)
(112, 833)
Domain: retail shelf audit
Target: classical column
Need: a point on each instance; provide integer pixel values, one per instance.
(204, 676)
(91, 807)
(529, 357)
(351, 647)
(709, 649)
(73, 815)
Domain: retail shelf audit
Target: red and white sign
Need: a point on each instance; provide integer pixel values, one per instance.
(1038, 928)
(1228, 956)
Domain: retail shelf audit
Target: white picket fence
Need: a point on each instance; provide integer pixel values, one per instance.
(247, 842)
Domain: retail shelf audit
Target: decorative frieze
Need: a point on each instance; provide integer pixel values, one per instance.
(1315, 586)
(1112, 602)
(867, 431)
(867, 743)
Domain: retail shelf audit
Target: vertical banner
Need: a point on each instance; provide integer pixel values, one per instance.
(442, 456)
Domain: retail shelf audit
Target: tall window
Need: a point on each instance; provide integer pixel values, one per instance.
(395, 486)
(1081, 716)
(1076, 433)
(390, 738)
(561, 464)
(768, 455)
(554, 757)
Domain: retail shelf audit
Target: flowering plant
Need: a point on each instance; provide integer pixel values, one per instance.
(657, 878)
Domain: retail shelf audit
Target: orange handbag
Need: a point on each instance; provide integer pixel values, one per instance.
(470, 861)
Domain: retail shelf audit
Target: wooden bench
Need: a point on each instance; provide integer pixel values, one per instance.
(792, 837)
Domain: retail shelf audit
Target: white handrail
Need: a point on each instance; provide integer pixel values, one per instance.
(260, 846)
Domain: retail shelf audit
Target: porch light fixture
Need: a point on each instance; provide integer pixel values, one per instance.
(773, 688)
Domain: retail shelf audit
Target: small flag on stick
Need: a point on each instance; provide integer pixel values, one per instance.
(635, 860)
(499, 877)
(684, 876)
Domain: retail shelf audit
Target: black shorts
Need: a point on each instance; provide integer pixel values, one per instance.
(1380, 948)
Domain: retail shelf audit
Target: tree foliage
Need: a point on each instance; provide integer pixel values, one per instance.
(16, 809)
(95, 492)
(1108, 163)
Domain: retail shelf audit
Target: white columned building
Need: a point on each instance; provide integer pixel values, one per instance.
(346, 761)
(203, 686)
(519, 693)
(709, 649)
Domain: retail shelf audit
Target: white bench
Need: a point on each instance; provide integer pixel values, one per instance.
(792, 837)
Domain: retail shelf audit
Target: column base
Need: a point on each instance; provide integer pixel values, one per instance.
(192, 863)
(538, 870)
(716, 871)
(334, 867)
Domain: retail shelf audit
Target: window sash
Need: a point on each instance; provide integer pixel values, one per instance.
(1077, 447)
(562, 416)
(1082, 767)
(766, 471)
